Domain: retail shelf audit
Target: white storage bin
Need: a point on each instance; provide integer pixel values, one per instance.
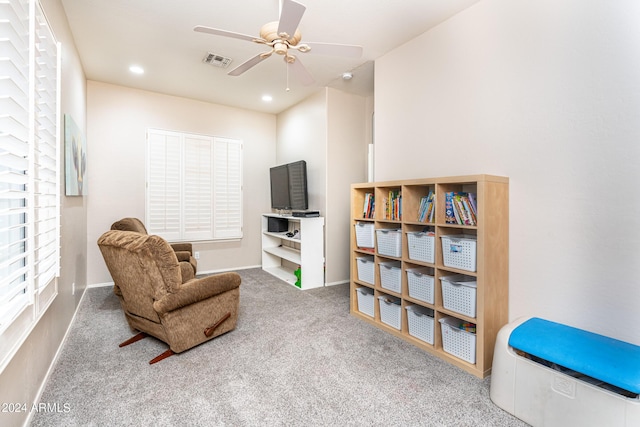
(365, 300)
(364, 234)
(391, 276)
(421, 283)
(389, 242)
(545, 394)
(459, 251)
(456, 341)
(459, 294)
(390, 311)
(366, 269)
(421, 246)
(421, 323)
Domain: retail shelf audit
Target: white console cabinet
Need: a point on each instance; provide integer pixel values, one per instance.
(282, 254)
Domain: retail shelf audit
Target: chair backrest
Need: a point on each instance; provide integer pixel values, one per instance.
(129, 224)
(144, 267)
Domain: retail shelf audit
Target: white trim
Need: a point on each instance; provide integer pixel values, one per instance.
(42, 261)
(100, 285)
(339, 282)
(225, 270)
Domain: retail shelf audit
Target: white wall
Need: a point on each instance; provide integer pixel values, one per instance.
(302, 135)
(117, 120)
(545, 92)
(348, 134)
(329, 131)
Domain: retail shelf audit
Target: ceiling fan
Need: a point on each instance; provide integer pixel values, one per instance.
(283, 37)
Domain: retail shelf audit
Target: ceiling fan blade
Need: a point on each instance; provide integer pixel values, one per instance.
(224, 33)
(248, 64)
(346, 50)
(301, 72)
(290, 17)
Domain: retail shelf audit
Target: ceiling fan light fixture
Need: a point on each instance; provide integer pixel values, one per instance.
(280, 48)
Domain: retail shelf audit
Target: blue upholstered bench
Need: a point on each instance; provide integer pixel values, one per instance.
(554, 375)
(606, 359)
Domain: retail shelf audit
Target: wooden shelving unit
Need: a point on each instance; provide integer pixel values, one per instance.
(492, 258)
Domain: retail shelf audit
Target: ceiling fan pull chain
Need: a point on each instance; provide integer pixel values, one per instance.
(287, 65)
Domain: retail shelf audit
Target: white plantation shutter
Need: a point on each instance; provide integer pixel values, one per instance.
(194, 186)
(29, 170)
(45, 155)
(228, 189)
(164, 184)
(198, 188)
(14, 150)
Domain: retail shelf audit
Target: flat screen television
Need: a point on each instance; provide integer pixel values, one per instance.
(289, 186)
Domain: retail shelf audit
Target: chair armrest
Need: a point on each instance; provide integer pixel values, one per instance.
(197, 290)
(179, 247)
(183, 256)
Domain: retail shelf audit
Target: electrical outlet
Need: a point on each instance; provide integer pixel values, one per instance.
(196, 255)
(73, 288)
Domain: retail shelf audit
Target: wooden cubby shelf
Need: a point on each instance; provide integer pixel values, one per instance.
(486, 273)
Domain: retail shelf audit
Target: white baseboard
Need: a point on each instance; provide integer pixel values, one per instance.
(100, 285)
(228, 269)
(340, 282)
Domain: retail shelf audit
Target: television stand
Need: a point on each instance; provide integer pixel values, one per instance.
(283, 254)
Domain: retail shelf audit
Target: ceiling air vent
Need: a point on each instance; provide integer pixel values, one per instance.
(217, 60)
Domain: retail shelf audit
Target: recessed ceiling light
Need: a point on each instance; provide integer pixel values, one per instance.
(267, 98)
(136, 69)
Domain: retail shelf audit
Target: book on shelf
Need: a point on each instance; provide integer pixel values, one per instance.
(369, 206)
(449, 216)
(425, 210)
(461, 208)
(472, 201)
(393, 205)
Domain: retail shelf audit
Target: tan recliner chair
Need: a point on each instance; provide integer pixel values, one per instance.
(155, 299)
(184, 251)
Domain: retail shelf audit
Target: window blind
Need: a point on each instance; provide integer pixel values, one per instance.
(29, 170)
(45, 155)
(194, 186)
(198, 187)
(14, 163)
(164, 184)
(228, 189)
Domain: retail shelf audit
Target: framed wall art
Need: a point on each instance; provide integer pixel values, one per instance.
(75, 149)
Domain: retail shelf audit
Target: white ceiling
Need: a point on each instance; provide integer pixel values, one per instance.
(158, 35)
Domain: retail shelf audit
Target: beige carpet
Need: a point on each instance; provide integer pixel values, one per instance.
(296, 358)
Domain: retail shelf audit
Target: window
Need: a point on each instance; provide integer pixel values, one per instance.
(29, 171)
(194, 186)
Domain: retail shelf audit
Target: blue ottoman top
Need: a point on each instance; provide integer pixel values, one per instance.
(606, 359)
